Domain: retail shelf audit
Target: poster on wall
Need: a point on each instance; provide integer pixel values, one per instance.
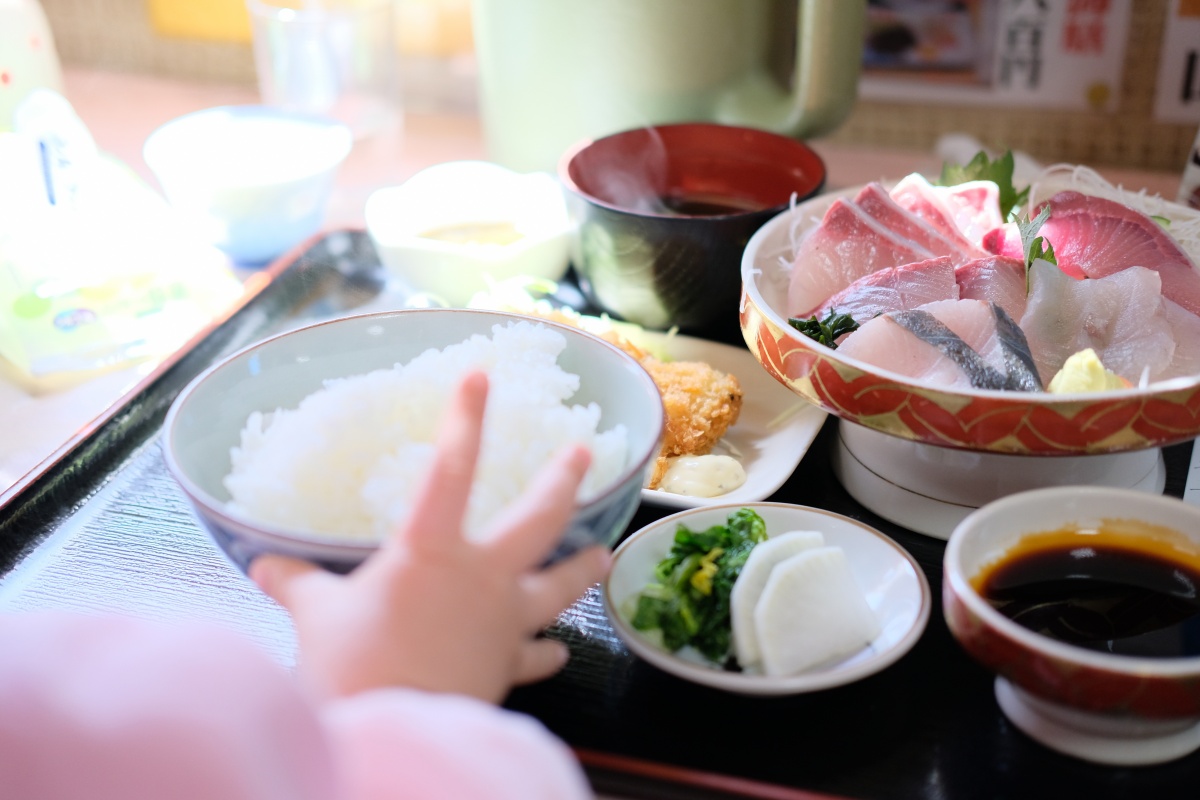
(1062, 54)
(1177, 90)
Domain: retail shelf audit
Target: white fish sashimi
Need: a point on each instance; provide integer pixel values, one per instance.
(750, 582)
(1121, 316)
(812, 611)
(1185, 327)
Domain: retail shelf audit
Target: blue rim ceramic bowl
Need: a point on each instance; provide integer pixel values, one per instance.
(205, 421)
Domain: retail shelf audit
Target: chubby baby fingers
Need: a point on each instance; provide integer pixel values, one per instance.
(551, 590)
(539, 659)
(526, 531)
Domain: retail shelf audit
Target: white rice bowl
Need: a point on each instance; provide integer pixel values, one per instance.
(349, 459)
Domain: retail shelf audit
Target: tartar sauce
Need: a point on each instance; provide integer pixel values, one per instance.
(702, 476)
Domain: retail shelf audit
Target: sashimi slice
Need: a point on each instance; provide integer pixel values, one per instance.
(976, 207)
(1094, 237)
(917, 195)
(966, 211)
(996, 279)
(812, 611)
(1120, 316)
(895, 289)
(987, 344)
(883, 343)
(748, 587)
(875, 201)
(1185, 327)
(956, 344)
(847, 245)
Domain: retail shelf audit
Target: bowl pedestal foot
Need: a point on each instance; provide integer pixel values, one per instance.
(1100, 738)
(931, 489)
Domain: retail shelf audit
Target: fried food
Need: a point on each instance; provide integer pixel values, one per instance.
(701, 404)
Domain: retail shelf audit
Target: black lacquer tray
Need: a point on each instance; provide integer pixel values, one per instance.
(102, 527)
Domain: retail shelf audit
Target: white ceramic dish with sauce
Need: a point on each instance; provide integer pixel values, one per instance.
(773, 431)
(894, 585)
(460, 227)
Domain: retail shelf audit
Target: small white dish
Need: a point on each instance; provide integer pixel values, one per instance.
(773, 432)
(894, 584)
(460, 227)
(253, 180)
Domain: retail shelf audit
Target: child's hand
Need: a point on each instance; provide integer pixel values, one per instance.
(431, 610)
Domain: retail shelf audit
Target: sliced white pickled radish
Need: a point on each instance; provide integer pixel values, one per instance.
(811, 611)
(750, 582)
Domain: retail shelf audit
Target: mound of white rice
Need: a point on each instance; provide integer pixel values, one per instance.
(349, 458)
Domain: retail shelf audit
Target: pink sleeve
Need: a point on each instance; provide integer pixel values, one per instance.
(440, 746)
(107, 708)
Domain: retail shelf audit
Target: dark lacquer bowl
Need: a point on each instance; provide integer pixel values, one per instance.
(1131, 706)
(1010, 422)
(664, 214)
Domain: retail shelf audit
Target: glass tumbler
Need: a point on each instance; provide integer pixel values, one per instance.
(333, 58)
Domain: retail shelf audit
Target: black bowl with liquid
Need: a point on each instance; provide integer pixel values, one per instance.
(663, 214)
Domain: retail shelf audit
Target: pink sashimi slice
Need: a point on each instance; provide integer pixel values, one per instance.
(1006, 241)
(847, 245)
(976, 207)
(965, 212)
(1121, 316)
(894, 289)
(875, 200)
(916, 195)
(1094, 237)
(998, 279)
(956, 344)
(884, 343)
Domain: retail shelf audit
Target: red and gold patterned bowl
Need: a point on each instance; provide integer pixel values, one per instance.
(1018, 423)
(1090, 703)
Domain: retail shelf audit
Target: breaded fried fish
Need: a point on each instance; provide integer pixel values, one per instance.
(701, 402)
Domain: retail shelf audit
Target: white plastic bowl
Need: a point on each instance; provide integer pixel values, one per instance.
(255, 179)
(467, 193)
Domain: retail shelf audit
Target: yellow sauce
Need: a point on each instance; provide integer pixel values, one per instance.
(499, 233)
(702, 476)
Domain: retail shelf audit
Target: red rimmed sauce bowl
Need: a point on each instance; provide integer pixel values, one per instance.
(1083, 601)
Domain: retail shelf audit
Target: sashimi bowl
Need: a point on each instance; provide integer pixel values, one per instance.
(1092, 410)
(312, 443)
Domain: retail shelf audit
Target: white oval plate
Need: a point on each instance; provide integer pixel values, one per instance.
(773, 432)
(893, 582)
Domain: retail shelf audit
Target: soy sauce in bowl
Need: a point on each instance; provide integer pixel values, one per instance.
(1126, 587)
(695, 204)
